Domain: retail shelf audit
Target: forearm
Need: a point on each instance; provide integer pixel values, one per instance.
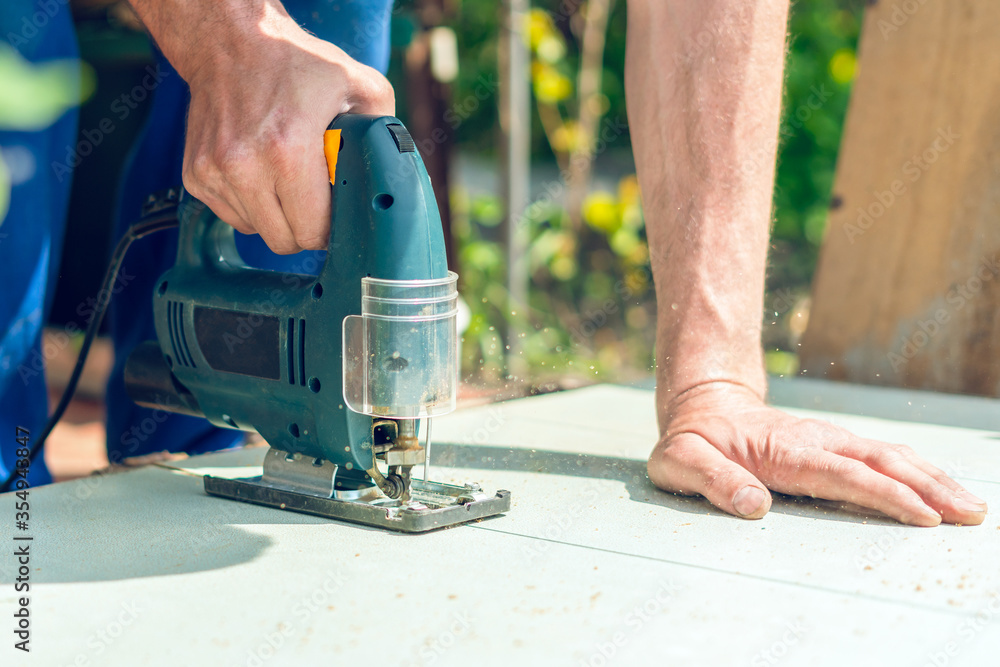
(703, 83)
(195, 34)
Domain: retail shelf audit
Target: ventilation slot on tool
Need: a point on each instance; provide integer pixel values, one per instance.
(296, 345)
(178, 339)
(302, 352)
(290, 344)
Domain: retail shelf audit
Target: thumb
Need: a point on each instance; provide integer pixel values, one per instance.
(687, 463)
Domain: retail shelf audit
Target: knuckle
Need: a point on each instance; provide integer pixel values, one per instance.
(905, 451)
(826, 429)
(199, 191)
(282, 245)
(282, 156)
(235, 161)
(200, 164)
(849, 468)
(284, 248)
(288, 145)
(719, 481)
(193, 186)
(900, 494)
(311, 241)
(241, 226)
(196, 173)
(887, 456)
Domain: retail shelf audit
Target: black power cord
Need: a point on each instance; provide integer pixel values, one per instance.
(150, 225)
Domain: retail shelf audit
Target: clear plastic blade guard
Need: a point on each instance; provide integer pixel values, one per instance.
(401, 353)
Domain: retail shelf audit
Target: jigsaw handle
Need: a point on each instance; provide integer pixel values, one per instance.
(205, 240)
(382, 203)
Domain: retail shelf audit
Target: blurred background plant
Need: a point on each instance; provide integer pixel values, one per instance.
(32, 97)
(592, 307)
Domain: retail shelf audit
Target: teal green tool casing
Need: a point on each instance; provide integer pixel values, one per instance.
(260, 350)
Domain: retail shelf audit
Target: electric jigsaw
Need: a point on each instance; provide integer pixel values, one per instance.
(334, 371)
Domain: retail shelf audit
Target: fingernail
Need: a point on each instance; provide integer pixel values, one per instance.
(748, 500)
(964, 505)
(965, 495)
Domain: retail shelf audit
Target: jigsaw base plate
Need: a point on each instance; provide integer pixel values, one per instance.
(432, 505)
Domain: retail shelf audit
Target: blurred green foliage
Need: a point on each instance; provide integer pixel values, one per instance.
(32, 97)
(477, 25)
(592, 309)
(591, 303)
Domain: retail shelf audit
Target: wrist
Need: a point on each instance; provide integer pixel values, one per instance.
(695, 350)
(680, 371)
(693, 360)
(684, 410)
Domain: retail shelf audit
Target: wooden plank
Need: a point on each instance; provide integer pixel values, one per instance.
(907, 291)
